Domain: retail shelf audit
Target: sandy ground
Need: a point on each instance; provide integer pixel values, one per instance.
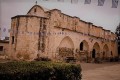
(103, 71)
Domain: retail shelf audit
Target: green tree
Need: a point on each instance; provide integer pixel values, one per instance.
(118, 37)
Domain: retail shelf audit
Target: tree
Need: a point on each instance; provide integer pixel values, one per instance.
(118, 38)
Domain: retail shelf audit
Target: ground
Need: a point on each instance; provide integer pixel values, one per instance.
(103, 71)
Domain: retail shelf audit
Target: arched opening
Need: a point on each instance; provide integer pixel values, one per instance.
(105, 51)
(96, 50)
(84, 46)
(66, 42)
(81, 46)
(66, 47)
(83, 51)
(93, 53)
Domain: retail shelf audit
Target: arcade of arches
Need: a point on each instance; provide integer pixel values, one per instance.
(67, 48)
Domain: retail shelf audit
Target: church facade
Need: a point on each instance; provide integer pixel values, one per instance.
(53, 34)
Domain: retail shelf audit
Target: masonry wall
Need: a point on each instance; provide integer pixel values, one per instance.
(79, 31)
(77, 38)
(28, 38)
(61, 31)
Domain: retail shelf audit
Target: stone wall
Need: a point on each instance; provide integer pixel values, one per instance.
(28, 38)
(45, 32)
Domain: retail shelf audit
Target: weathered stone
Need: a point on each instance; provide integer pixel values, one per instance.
(46, 32)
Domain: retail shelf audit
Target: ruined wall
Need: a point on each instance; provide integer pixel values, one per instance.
(48, 32)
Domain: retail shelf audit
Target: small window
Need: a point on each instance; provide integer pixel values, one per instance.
(12, 39)
(1, 48)
(35, 10)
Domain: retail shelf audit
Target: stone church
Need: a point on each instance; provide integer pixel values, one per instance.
(53, 34)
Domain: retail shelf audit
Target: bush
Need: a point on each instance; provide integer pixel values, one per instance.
(116, 59)
(39, 71)
(42, 59)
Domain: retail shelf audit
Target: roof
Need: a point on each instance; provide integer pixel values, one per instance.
(44, 9)
(28, 16)
(47, 10)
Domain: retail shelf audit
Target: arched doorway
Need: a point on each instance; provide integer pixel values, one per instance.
(96, 50)
(84, 46)
(83, 53)
(66, 47)
(105, 51)
(81, 46)
(93, 53)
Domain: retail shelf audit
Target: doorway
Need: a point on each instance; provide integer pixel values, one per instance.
(93, 53)
(81, 46)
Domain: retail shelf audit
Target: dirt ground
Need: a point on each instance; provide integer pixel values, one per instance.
(102, 71)
(94, 71)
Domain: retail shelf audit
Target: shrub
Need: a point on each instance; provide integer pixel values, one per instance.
(39, 71)
(42, 59)
(116, 59)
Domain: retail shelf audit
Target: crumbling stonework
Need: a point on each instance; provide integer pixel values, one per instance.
(54, 34)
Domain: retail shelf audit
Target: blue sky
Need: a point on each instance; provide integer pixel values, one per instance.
(104, 16)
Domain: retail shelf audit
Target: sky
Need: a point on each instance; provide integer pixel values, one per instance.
(104, 16)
